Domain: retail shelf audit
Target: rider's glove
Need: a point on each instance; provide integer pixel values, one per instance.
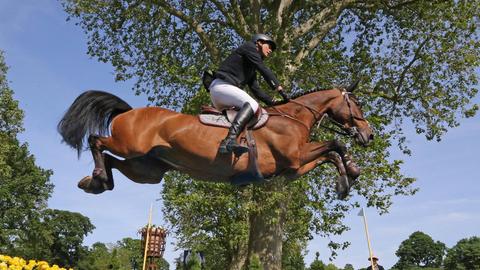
(284, 96)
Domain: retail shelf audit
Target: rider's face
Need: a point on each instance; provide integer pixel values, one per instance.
(265, 49)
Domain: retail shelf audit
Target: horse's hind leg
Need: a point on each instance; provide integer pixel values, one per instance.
(143, 169)
(101, 178)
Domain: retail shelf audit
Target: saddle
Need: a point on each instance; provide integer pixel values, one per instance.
(212, 117)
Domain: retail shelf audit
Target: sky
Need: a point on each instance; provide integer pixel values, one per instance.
(49, 68)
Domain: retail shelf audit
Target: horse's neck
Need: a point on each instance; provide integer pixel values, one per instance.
(316, 105)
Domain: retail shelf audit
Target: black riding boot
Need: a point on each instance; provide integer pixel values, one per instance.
(229, 144)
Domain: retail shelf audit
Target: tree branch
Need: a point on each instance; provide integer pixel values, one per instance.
(399, 5)
(328, 17)
(195, 26)
(282, 6)
(327, 12)
(257, 24)
(416, 56)
(313, 42)
(239, 26)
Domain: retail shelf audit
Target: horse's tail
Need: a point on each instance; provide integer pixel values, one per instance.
(90, 113)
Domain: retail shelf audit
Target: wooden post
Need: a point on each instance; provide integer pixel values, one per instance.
(362, 213)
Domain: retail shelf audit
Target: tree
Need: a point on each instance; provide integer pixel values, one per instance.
(293, 259)
(24, 187)
(416, 59)
(317, 264)
(331, 266)
(464, 255)
(194, 263)
(420, 250)
(96, 257)
(348, 266)
(254, 263)
(60, 236)
(120, 255)
(67, 231)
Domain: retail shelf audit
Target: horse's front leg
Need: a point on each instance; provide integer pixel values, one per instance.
(316, 153)
(315, 149)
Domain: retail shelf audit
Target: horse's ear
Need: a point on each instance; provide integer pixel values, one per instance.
(352, 86)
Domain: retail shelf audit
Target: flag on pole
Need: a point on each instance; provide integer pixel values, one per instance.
(362, 214)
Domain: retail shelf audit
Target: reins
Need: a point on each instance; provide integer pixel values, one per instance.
(283, 114)
(312, 110)
(341, 132)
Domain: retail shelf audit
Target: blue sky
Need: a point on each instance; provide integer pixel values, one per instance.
(49, 68)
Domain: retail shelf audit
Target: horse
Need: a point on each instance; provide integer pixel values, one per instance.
(148, 142)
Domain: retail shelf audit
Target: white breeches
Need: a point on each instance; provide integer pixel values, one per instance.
(225, 96)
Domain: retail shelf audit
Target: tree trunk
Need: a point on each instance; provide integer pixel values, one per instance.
(238, 259)
(266, 228)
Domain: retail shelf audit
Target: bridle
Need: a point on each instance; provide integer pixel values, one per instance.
(345, 130)
(319, 117)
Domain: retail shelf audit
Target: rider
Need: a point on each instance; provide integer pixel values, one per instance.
(236, 71)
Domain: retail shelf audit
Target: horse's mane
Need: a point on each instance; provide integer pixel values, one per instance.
(297, 95)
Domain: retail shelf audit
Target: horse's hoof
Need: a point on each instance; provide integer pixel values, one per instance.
(342, 187)
(351, 181)
(84, 182)
(89, 185)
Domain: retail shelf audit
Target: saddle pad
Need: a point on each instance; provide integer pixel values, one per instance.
(222, 121)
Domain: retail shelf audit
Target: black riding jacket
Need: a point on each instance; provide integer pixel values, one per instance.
(240, 68)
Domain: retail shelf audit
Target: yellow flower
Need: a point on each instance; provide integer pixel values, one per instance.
(17, 263)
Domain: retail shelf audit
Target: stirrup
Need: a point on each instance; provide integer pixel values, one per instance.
(230, 145)
(239, 150)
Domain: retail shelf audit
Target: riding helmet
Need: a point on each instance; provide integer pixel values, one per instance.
(264, 38)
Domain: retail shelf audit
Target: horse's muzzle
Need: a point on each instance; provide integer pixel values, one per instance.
(364, 137)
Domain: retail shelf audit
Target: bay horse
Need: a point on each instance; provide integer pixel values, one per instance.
(154, 140)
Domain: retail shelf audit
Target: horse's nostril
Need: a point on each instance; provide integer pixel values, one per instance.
(371, 137)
